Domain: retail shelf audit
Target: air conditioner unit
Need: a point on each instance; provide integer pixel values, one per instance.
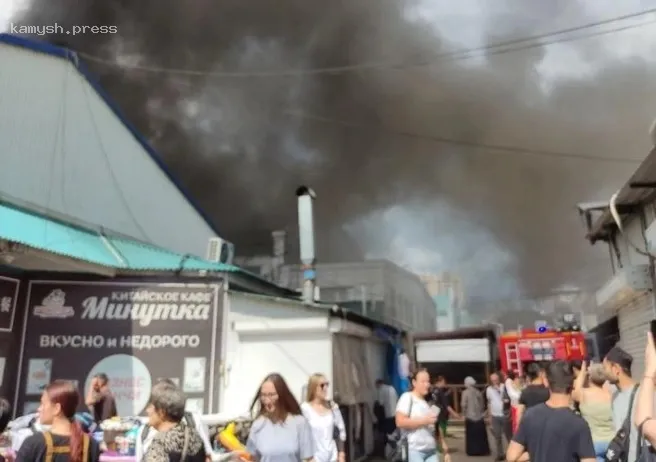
(220, 251)
(624, 285)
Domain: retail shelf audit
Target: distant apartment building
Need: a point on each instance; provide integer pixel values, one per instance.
(446, 290)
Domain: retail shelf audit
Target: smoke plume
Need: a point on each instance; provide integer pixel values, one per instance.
(241, 144)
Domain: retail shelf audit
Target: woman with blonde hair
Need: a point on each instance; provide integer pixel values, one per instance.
(595, 406)
(326, 421)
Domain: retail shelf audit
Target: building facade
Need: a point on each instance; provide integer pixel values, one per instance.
(447, 292)
(378, 289)
(628, 294)
(67, 152)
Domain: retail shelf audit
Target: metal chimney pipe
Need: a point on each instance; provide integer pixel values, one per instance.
(306, 198)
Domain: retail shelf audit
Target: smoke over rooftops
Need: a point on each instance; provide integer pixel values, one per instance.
(505, 220)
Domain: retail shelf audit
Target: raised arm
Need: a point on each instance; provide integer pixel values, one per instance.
(513, 393)
(577, 391)
(644, 409)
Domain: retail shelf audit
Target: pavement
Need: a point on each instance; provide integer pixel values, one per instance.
(456, 442)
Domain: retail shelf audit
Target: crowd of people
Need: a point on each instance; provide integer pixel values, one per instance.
(282, 429)
(556, 411)
(566, 411)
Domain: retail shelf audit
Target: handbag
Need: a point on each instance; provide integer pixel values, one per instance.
(336, 432)
(646, 452)
(401, 454)
(618, 448)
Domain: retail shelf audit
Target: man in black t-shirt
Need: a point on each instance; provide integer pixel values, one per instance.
(550, 431)
(535, 393)
(441, 397)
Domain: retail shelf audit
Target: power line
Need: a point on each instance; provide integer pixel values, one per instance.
(466, 53)
(463, 143)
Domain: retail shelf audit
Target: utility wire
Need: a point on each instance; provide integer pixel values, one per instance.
(462, 54)
(463, 143)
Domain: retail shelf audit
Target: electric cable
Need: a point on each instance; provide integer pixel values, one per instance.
(463, 143)
(457, 55)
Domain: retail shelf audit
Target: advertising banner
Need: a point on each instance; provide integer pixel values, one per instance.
(134, 332)
(8, 298)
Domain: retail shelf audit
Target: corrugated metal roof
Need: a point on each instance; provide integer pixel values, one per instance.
(69, 55)
(628, 198)
(38, 232)
(32, 230)
(138, 256)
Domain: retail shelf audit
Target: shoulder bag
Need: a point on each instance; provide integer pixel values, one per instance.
(645, 451)
(618, 448)
(336, 432)
(402, 450)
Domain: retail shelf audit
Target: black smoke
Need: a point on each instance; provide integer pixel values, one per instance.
(242, 144)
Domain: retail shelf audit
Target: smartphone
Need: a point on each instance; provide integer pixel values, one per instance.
(652, 327)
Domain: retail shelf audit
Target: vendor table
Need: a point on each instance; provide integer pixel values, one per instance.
(114, 457)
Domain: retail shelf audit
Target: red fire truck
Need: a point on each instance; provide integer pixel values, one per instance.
(519, 348)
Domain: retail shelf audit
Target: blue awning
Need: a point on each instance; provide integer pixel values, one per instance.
(36, 231)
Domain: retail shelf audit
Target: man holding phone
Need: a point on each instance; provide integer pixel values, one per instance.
(100, 399)
(617, 365)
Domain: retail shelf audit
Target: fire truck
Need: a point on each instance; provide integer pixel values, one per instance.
(519, 348)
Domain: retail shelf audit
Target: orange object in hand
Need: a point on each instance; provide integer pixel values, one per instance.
(229, 441)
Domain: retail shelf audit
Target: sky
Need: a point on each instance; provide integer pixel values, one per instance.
(508, 223)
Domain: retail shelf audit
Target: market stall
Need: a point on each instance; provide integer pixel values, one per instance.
(133, 331)
(118, 437)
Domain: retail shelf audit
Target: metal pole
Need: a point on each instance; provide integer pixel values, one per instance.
(306, 198)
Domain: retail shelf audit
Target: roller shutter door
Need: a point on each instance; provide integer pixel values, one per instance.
(633, 319)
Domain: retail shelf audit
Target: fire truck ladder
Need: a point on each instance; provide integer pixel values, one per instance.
(512, 358)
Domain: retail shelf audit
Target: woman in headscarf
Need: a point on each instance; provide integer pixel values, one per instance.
(473, 408)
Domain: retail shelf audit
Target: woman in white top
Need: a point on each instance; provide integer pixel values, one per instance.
(514, 391)
(417, 421)
(325, 420)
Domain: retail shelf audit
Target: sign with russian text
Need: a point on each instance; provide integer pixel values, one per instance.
(8, 298)
(134, 332)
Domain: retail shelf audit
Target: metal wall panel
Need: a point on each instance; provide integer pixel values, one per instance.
(453, 351)
(633, 319)
(64, 150)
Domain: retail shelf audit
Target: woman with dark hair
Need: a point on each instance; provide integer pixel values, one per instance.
(65, 441)
(147, 433)
(279, 433)
(416, 419)
(174, 441)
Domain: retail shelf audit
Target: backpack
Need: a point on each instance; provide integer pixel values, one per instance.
(188, 419)
(618, 448)
(51, 449)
